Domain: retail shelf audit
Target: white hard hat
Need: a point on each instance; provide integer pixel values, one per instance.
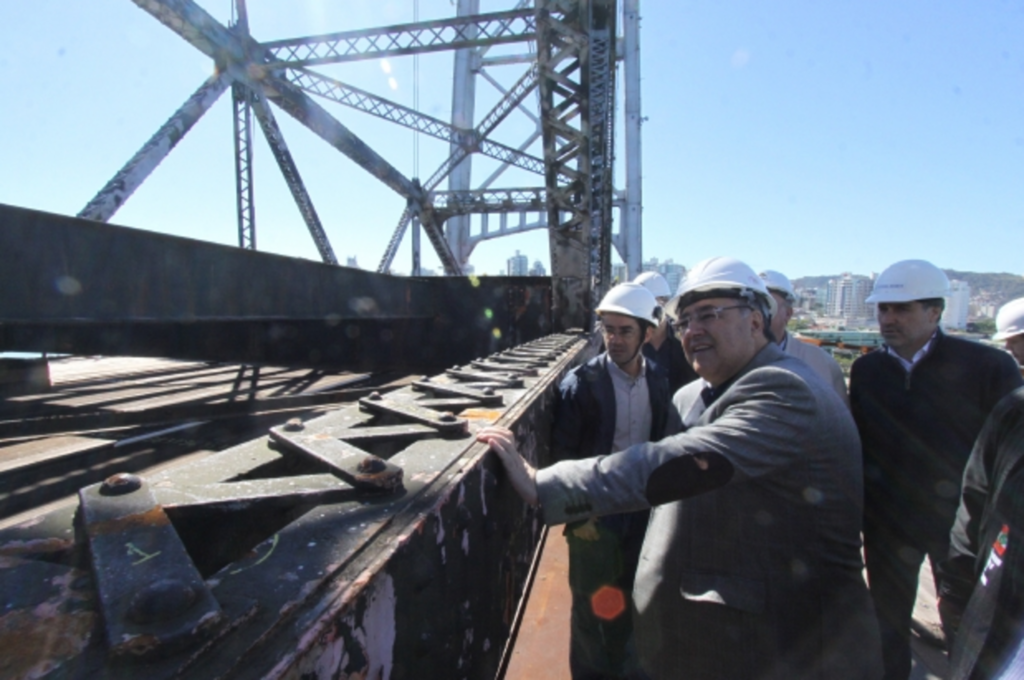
(909, 280)
(1010, 320)
(777, 281)
(721, 277)
(631, 299)
(654, 282)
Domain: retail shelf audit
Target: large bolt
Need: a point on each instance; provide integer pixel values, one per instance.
(120, 484)
(375, 396)
(447, 417)
(161, 600)
(294, 425)
(371, 465)
(488, 391)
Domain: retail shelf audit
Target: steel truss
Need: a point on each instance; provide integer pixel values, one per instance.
(571, 69)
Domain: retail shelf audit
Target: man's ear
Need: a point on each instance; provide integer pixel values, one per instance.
(648, 333)
(757, 322)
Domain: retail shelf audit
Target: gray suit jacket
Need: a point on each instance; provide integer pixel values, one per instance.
(751, 566)
(822, 363)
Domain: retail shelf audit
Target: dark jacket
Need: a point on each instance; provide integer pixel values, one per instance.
(584, 426)
(584, 419)
(671, 358)
(985, 568)
(917, 430)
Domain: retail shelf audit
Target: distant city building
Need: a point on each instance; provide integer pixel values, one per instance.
(811, 299)
(673, 273)
(846, 297)
(957, 305)
(537, 269)
(518, 265)
(350, 261)
(469, 269)
(619, 272)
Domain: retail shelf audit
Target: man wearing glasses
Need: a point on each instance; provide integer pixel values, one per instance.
(610, 403)
(751, 565)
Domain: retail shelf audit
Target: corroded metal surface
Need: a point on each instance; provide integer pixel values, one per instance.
(329, 581)
(152, 597)
(179, 298)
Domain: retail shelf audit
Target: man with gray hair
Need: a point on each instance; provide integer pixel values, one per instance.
(815, 357)
(751, 565)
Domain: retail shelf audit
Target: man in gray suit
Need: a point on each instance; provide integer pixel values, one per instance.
(781, 289)
(751, 566)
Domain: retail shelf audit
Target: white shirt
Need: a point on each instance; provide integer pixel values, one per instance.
(918, 355)
(632, 406)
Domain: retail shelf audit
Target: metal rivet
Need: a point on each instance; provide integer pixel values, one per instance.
(447, 417)
(294, 424)
(120, 484)
(488, 391)
(375, 396)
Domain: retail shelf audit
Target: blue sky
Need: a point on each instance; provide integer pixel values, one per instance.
(808, 137)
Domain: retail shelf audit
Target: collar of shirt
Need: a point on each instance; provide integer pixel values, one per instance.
(618, 374)
(784, 341)
(918, 355)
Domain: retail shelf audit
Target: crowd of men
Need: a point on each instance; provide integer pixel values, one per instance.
(719, 485)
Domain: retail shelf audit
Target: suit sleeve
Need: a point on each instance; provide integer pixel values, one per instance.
(1005, 378)
(957, 572)
(567, 424)
(761, 423)
(838, 381)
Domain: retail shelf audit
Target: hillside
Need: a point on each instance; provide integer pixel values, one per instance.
(997, 288)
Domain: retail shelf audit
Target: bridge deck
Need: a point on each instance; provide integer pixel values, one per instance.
(541, 649)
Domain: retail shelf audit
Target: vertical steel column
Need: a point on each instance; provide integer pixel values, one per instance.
(576, 71)
(241, 98)
(631, 241)
(599, 87)
(417, 267)
(463, 110)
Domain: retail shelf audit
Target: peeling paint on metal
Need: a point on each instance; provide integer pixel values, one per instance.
(40, 545)
(379, 629)
(484, 474)
(440, 526)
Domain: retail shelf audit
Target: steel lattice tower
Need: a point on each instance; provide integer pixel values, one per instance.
(568, 89)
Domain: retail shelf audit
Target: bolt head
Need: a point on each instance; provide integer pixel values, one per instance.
(375, 396)
(120, 484)
(371, 465)
(294, 425)
(447, 417)
(161, 600)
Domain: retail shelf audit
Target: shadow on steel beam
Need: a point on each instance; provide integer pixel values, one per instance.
(83, 287)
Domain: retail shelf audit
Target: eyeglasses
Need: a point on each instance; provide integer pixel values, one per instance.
(703, 316)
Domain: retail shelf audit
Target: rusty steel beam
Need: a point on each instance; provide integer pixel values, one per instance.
(152, 598)
(577, 109)
(329, 581)
(292, 178)
(180, 298)
(113, 195)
